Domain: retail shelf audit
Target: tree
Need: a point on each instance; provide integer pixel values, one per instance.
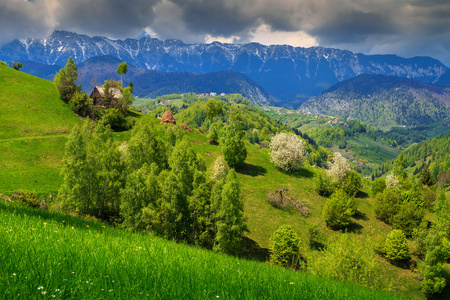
(284, 247)
(392, 181)
(352, 183)
(92, 171)
(338, 167)
(233, 146)
(66, 81)
(324, 186)
(387, 205)
(408, 217)
(229, 215)
(425, 177)
(17, 65)
(395, 246)
(219, 169)
(338, 209)
(378, 185)
(287, 151)
(122, 69)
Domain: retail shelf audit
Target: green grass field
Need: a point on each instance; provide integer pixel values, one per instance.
(48, 255)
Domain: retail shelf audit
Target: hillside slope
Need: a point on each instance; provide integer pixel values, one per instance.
(30, 106)
(384, 101)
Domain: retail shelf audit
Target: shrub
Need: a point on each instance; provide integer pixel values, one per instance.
(387, 205)
(287, 151)
(378, 185)
(25, 198)
(409, 216)
(219, 169)
(284, 247)
(324, 186)
(395, 246)
(338, 209)
(351, 183)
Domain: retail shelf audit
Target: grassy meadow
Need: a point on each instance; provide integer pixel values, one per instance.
(49, 255)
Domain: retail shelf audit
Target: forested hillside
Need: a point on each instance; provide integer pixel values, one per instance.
(384, 102)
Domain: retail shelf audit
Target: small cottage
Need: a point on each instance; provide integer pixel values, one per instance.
(98, 94)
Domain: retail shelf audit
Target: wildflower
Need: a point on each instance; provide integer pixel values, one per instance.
(103, 226)
(87, 225)
(14, 274)
(73, 227)
(44, 292)
(57, 290)
(45, 223)
(40, 288)
(292, 283)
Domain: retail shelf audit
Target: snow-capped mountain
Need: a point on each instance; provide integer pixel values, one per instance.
(284, 71)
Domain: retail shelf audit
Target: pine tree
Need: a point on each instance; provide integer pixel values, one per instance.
(395, 246)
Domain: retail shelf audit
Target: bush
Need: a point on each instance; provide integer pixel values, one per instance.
(352, 183)
(378, 185)
(395, 246)
(287, 151)
(25, 198)
(338, 167)
(409, 216)
(284, 247)
(338, 209)
(324, 186)
(387, 205)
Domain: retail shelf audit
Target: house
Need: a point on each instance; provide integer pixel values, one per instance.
(99, 93)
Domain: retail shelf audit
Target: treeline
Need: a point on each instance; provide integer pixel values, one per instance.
(146, 184)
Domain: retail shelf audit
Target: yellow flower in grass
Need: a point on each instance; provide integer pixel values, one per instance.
(45, 223)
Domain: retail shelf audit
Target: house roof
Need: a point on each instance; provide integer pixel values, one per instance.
(115, 91)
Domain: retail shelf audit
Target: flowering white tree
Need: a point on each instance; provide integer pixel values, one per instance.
(392, 181)
(219, 169)
(288, 151)
(338, 167)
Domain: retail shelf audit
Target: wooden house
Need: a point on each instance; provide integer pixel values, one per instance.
(98, 94)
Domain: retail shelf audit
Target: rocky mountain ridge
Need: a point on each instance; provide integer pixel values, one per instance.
(291, 74)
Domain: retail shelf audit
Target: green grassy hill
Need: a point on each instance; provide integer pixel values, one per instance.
(49, 255)
(34, 124)
(30, 106)
(40, 243)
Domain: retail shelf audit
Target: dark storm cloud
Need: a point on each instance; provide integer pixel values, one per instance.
(353, 27)
(370, 26)
(115, 18)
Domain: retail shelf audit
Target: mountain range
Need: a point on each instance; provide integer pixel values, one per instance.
(290, 74)
(384, 101)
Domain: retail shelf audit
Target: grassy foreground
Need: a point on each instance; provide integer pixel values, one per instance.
(48, 255)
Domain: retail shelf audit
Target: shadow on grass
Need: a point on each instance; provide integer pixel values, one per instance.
(362, 195)
(360, 216)
(403, 264)
(303, 172)
(251, 250)
(354, 228)
(444, 295)
(251, 170)
(315, 245)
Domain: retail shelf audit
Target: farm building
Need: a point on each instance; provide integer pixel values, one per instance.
(99, 93)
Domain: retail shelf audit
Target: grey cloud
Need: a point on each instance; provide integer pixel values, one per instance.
(23, 19)
(113, 18)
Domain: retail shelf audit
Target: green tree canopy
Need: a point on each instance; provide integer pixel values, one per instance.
(66, 81)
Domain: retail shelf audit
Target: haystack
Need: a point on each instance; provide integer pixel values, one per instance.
(168, 118)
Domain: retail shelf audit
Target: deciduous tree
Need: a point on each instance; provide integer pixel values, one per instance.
(287, 151)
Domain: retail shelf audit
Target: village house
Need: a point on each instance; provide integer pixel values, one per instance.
(98, 94)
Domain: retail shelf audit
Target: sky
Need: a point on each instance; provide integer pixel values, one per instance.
(404, 27)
